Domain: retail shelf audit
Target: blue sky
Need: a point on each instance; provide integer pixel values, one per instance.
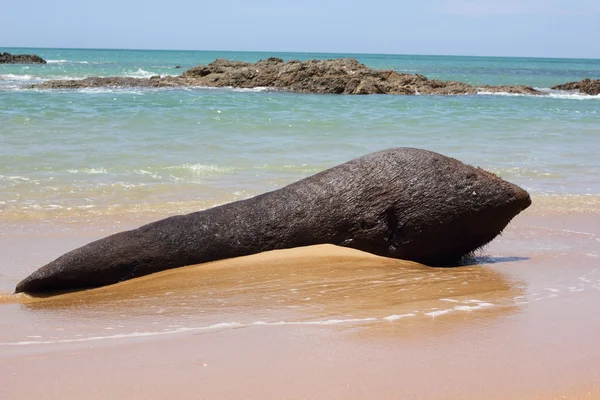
(537, 28)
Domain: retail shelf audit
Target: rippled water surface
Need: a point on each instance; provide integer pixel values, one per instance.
(323, 285)
(70, 153)
(77, 165)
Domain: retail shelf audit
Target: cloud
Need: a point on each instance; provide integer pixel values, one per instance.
(483, 8)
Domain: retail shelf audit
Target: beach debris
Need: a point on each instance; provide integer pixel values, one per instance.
(402, 203)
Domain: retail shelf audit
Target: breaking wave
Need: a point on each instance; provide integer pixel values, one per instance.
(555, 94)
(66, 62)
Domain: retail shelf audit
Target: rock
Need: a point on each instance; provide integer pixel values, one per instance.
(7, 58)
(339, 76)
(403, 203)
(587, 86)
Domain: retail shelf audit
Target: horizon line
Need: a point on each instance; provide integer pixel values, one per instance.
(297, 52)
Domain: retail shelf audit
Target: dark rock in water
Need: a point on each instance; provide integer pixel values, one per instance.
(340, 76)
(7, 58)
(178, 66)
(587, 86)
(403, 203)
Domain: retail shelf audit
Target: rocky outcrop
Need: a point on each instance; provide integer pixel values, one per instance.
(7, 58)
(587, 86)
(339, 76)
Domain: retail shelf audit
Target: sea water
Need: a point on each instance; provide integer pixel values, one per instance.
(67, 153)
(74, 161)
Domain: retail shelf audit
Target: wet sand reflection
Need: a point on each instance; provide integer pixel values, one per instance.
(311, 283)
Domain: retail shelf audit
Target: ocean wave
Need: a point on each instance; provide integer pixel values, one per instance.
(212, 327)
(573, 96)
(104, 90)
(140, 73)
(478, 306)
(15, 77)
(202, 169)
(303, 168)
(9, 181)
(555, 94)
(468, 305)
(63, 77)
(36, 78)
(66, 62)
(524, 173)
(252, 90)
(87, 171)
(258, 89)
(148, 173)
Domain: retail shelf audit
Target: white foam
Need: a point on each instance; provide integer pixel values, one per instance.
(101, 90)
(221, 325)
(27, 77)
(257, 89)
(87, 171)
(202, 169)
(15, 77)
(396, 317)
(63, 78)
(577, 232)
(140, 73)
(450, 300)
(43, 207)
(14, 178)
(555, 94)
(252, 90)
(144, 172)
(473, 308)
(66, 62)
(439, 312)
(479, 305)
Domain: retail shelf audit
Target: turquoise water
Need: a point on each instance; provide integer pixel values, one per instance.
(79, 63)
(103, 151)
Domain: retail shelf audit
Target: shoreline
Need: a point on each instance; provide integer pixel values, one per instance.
(319, 322)
(539, 344)
(132, 215)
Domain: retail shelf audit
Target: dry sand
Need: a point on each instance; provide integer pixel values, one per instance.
(320, 323)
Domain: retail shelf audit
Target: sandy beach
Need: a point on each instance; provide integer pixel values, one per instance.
(320, 322)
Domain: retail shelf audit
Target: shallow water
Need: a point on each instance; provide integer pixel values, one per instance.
(542, 257)
(101, 152)
(321, 285)
(79, 165)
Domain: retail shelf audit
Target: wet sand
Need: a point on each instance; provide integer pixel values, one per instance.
(320, 322)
